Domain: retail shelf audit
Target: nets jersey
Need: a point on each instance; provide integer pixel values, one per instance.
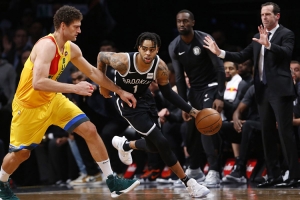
(25, 94)
(135, 81)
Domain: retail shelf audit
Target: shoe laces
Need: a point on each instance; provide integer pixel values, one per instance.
(119, 182)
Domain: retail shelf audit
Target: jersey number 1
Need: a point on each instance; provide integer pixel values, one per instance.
(135, 88)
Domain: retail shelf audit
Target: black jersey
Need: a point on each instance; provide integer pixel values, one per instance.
(202, 67)
(133, 80)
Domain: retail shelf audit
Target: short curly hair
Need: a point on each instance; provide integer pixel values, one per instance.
(66, 14)
(148, 36)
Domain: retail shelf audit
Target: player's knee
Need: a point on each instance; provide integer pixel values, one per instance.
(86, 130)
(22, 155)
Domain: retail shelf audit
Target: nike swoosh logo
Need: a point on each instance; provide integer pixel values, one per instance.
(180, 53)
(154, 176)
(206, 99)
(131, 72)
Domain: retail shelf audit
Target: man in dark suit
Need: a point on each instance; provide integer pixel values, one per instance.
(271, 51)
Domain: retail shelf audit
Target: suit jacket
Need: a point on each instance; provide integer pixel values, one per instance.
(276, 63)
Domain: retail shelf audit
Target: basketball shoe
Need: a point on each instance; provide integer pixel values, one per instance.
(212, 179)
(195, 189)
(79, 180)
(87, 180)
(237, 175)
(151, 174)
(125, 156)
(119, 186)
(6, 193)
(196, 174)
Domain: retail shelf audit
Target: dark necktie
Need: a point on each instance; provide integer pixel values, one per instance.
(264, 79)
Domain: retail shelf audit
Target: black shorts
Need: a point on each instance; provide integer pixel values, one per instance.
(143, 118)
(203, 99)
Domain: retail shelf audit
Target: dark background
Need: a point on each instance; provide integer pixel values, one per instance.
(237, 18)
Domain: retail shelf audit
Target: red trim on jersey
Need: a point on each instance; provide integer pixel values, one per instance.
(54, 64)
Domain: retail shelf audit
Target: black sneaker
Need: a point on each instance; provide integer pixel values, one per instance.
(237, 175)
(6, 192)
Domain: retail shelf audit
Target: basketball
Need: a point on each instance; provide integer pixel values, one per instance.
(208, 121)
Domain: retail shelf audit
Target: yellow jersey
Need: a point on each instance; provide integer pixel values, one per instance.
(25, 94)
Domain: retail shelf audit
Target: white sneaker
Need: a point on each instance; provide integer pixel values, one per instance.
(87, 180)
(195, 189)
(125, 156)
(196, 174)
(212, 179)
(79, 180)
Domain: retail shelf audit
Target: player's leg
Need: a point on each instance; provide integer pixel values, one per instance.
(155, 141)
(74, 120)
(144, 120)
(28, 127)
(201, 100)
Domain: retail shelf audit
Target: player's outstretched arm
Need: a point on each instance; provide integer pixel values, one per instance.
(99, 77)
(162, 75)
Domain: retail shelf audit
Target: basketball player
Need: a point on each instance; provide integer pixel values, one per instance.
(39, 102)
(207, 84)
(134, 73)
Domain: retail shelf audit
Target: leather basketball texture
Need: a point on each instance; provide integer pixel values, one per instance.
(208, 121)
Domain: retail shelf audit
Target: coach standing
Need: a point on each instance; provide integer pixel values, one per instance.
(271, 51)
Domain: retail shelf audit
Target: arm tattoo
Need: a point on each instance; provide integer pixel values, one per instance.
(115, 60)
(164, 71)
(102, 61)
(162, 74)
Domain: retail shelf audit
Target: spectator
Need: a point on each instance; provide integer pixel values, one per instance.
(245, 70)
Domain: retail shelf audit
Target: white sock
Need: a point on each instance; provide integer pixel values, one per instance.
(3, 175)
(105, 167)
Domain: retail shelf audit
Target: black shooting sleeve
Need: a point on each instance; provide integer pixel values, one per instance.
(174, 98)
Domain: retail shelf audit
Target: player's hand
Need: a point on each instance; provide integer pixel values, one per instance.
(104, 92)
(263, 36)
(218, 105)
(84, 88)
(211, 45)
(163, 112)
(237, 124)
(186, 117)
(128, 98)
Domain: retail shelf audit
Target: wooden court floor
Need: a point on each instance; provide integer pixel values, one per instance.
(155, 191)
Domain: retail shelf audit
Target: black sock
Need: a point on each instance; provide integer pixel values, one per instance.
(126, 146)
(185, 180)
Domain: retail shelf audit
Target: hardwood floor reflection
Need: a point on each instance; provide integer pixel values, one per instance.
(155, 191)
